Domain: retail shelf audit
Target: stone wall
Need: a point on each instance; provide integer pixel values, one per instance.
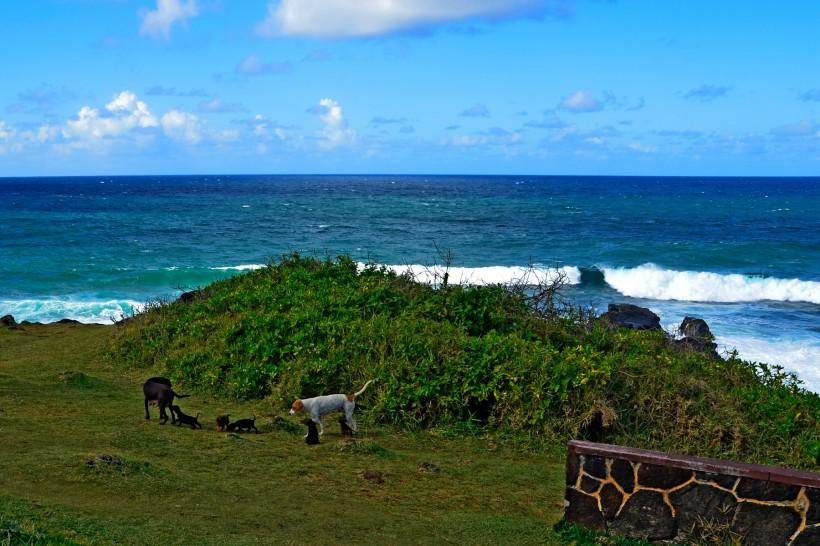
(641, 493)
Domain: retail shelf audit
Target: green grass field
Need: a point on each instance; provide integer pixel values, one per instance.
(61, 405)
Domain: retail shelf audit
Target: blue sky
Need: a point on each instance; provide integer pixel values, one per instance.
(644, 87)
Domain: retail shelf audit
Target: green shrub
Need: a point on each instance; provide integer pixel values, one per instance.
(477, 356)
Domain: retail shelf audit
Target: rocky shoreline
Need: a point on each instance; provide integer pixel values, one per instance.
(693, 333)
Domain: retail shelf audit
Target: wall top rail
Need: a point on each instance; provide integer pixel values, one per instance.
(702, 464)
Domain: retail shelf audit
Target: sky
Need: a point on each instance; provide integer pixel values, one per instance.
(582, 87)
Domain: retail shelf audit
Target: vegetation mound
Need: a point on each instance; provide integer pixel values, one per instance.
(478, 357)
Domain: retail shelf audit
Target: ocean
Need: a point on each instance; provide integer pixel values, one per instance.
(742, 253)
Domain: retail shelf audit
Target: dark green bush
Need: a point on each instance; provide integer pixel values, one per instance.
(460, 355)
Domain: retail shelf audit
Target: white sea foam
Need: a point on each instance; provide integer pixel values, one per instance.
(651, 282)
(54, 309)
(243, 267)
(495, 274)
(801, 356)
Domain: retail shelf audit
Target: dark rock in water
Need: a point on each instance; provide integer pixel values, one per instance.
(190, 297)
(68, 321)
(626, 315)
(695, 328)
(697, 337)
(8, 320)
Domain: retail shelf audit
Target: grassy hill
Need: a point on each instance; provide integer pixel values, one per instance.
(467, 359)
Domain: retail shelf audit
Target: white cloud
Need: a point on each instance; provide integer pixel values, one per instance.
(226, 135)
(217, 105)
(124, 113)
(642, 148)
(47, 132)
(800, 129)
(6, 134)
(125, 121)
(158, 23)
(253, 65)
(267, 131)
(335, 132)
(6, 131)
(344, 18)
(495, 136)
(582, 101)
(476, 111)
(182, 126)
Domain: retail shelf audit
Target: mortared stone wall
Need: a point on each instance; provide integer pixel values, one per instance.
(655, 495)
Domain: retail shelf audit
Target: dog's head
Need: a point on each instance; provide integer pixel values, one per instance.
(296, 407)
(309, 422)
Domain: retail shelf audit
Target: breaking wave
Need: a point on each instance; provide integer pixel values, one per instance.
(797, 355)
(652, 282)
(243, 267)
(495, 274)
(54, 309)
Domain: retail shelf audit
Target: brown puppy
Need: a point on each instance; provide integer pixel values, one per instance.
(222, 422)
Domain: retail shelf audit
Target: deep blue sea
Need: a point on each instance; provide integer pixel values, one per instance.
(743, 253)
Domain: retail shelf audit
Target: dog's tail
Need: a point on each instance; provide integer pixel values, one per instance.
(180, 395)
(358, 393)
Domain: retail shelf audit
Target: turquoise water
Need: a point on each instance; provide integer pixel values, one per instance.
(742, 253)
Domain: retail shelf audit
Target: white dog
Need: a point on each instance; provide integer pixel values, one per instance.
(320, 406)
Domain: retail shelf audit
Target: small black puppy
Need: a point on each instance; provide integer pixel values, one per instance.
(183, 419)
(243, 425)
(346, 430)
(312, 437)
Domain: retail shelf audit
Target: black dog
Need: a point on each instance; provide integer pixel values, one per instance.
(346, 430)
(243, 425)
(157, 390)
(183, 419)
(312, 437)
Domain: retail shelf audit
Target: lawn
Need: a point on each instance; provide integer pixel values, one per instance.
(62, 404)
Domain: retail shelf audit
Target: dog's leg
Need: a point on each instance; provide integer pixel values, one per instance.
(147, 415)
(351, 422)
(321, 425)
